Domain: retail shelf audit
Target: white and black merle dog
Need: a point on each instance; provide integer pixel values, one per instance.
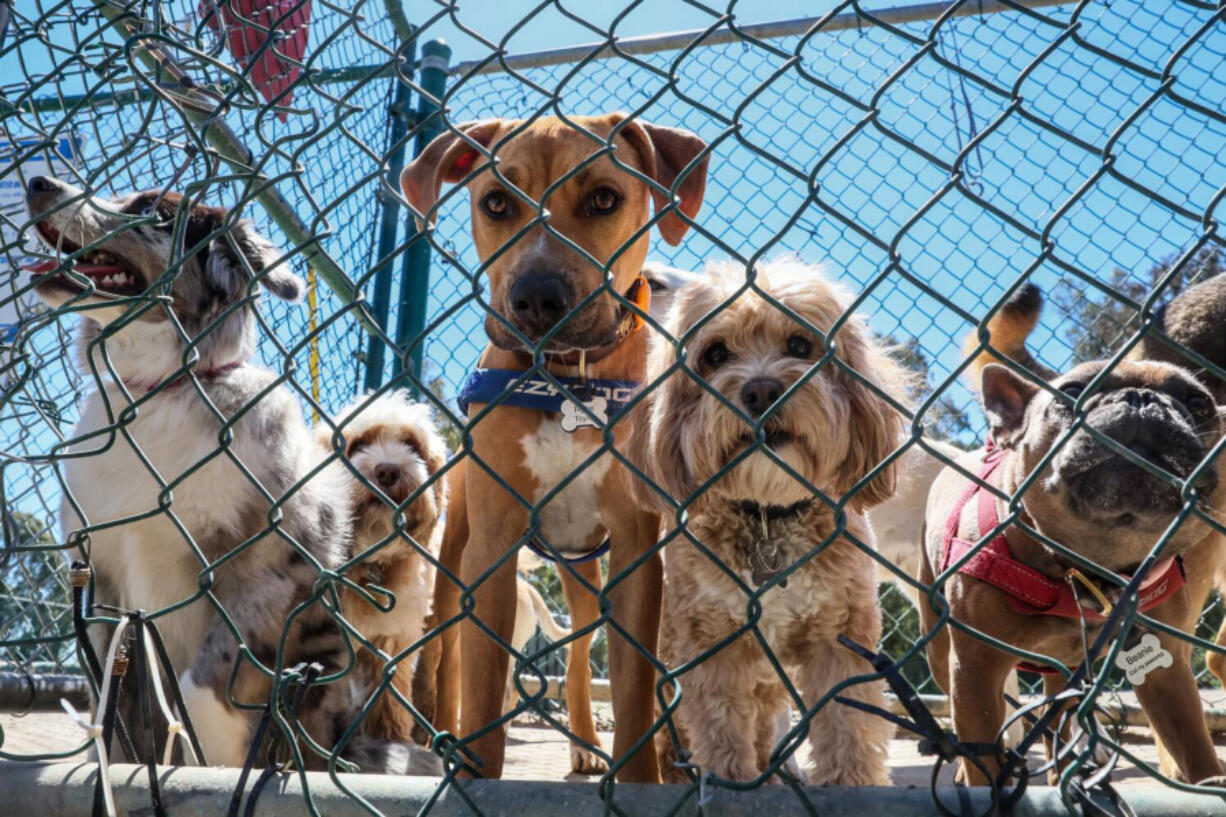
(203, 483)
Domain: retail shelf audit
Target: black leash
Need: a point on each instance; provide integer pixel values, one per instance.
(169, 670)
(309, 673)
(237, 797)
(934, 740)
(141, 665)
(131, 651)
(947, 748)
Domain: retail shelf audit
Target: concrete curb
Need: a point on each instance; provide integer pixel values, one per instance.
(66, 790)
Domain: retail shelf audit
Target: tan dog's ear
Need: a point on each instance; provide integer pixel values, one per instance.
(876, 426)
(665, 153)
(448, 158)
(655, 436)
(1005, 398)
(664, 460)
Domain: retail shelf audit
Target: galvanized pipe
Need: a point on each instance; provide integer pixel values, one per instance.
(389, 226)
(654, 43)
(1123, 712)
(235, 154)
(35, 692)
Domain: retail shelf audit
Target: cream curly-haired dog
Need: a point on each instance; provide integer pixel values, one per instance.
(393, 450)
(759, 520)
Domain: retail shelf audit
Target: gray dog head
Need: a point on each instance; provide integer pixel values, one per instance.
(133, 249)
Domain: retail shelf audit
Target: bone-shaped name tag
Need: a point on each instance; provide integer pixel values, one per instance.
(1139, 660)
(574, 417)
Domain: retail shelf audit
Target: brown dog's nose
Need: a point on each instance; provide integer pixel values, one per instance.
(758, 394)
(387, 474)
(540, 300)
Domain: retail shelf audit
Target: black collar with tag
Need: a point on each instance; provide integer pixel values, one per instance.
(765, 557)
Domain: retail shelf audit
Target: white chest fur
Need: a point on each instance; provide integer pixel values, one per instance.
(148, 563)
(571, 518)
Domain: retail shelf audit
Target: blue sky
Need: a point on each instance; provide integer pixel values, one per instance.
(550, 28)
(879, 179)
(969, 255)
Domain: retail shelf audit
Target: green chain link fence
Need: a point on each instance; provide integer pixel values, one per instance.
(932, 156)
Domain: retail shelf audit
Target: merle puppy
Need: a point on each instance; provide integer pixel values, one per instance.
(186, 478)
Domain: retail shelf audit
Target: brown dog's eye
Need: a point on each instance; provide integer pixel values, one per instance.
(799, 346)
(1073, 390)
(1200, 407)
(496, 204)
(603, 201)
(715, 355)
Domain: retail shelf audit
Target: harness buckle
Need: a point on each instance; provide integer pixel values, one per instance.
(1074, 575)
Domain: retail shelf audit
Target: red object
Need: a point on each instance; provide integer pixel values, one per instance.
(248, 24)
(1030, 592)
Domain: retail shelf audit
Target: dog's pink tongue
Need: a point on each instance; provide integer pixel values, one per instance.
(84, 269)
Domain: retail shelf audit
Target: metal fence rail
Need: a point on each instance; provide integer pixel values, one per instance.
(932, 157)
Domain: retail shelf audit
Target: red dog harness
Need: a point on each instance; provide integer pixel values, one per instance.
(1030, 592)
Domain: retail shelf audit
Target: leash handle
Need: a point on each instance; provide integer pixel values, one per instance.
(96, 730)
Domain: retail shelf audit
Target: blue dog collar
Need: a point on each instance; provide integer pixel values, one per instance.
(603, 398)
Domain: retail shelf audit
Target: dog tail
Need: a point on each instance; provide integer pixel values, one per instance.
(377, 756)
(544, 616)
(1192, 320)
(1007, 333)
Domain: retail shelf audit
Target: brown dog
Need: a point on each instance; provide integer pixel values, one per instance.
(556, 275)
(1098, 504)
(1194, 320)
(436, 681)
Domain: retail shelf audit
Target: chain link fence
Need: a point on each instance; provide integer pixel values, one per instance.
(931, 157)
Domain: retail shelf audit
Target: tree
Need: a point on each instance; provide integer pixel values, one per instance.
(944, 419)
(1099, 323)
(31, 591)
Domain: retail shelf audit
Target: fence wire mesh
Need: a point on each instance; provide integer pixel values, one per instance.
(934, 159)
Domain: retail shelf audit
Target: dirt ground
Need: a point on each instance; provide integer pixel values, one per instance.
(536, 751)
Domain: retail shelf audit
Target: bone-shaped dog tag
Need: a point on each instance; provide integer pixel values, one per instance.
(574, 417)
(1138, 661)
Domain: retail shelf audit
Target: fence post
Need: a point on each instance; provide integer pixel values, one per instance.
(415, 276)
(389, 219)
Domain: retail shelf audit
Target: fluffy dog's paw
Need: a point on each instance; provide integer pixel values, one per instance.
(852, 769)
(792, 767)
(585, 761)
